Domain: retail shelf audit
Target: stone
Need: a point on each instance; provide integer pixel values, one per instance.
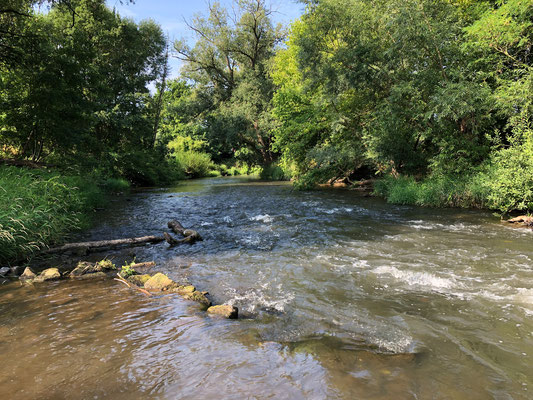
(138, 280)
(199, 297)
(86, 268)
(159, 283)
(28, 275)
(225, 311)
(48, 275)
(185, 290)
(4, 271)
(100, 275)
(523, 219)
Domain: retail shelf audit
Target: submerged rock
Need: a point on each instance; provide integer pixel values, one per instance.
(199, 297)
(159, 283)
(48, 275)
(225, 311)
(93, 276)
(138, 280)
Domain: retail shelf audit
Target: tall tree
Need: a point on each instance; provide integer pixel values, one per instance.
(228, 65)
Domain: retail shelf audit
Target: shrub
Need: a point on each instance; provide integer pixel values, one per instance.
(194, 164)
(510, 177)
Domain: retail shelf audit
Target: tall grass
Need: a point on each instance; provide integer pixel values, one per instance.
(441, 191)
(38, 208)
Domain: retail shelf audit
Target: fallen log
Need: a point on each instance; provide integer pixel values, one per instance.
(190, 235)
(86, 246)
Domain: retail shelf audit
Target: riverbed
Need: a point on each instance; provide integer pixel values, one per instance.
(340, 296)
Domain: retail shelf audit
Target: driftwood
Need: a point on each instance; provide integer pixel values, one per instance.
(190, 235)
(104, 243)
(524, 220)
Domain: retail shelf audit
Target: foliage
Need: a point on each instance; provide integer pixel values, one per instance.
(37, 208)
(511, 175)
(470, 191)
(126, 270)
(231, 91)
(194, 164)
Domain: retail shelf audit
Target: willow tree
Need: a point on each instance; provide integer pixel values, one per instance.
(228, 66)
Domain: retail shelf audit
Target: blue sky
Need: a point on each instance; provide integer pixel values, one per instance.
(170, 15)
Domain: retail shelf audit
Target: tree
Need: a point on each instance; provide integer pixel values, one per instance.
(228, 65)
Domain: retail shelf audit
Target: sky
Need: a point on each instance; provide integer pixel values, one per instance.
(170, 14)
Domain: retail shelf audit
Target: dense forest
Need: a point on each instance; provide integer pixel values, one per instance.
(431, 97)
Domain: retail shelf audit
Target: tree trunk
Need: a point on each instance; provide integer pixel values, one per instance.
(104, 243)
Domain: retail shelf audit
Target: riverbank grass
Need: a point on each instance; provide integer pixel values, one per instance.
(38, 207)
(444, 191)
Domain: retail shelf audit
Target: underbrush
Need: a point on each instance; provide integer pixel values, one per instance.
(39, 207)
(442, 191)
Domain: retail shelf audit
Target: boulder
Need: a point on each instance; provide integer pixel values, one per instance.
(159, 283)
(225, 311)
(28, 275)
(138, 280)
(48, 275)
(4, 271)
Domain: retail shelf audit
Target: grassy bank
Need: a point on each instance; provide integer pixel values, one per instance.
(503, 187)
(38, 207)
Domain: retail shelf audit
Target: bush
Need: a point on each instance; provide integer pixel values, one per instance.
(194, 164)
(146, 168)
(273, 172)
(510, 177)
(436, 191)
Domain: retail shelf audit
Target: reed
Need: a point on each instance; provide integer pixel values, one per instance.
(38, 208)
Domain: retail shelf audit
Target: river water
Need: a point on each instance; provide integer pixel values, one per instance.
(341, 296)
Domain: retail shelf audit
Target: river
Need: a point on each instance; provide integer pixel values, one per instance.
(340, 296)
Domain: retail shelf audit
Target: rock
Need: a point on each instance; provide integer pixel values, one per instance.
(225, 311)
(17, 270)
(185, 290)
(86, 268)
(4, 271)
(199, 297)
(159, 282)
(28, 275)
(93, 276)
(523, 219)
(48, 275)
(138, 280)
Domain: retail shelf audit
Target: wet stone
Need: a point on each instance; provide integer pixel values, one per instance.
(48, 275)
(225, 311)
(4, 271)
(138, 280)
(159, 282)
(28, 275)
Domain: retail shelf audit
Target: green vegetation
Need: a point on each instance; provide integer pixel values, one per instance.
(126, 270)
(39, 208)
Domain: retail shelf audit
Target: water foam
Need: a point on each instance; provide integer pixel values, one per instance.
(263, 218)
(415, 278)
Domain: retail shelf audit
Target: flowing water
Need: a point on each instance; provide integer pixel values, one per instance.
(341, 297)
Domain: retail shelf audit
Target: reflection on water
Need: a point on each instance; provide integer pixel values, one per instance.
(342, 297)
